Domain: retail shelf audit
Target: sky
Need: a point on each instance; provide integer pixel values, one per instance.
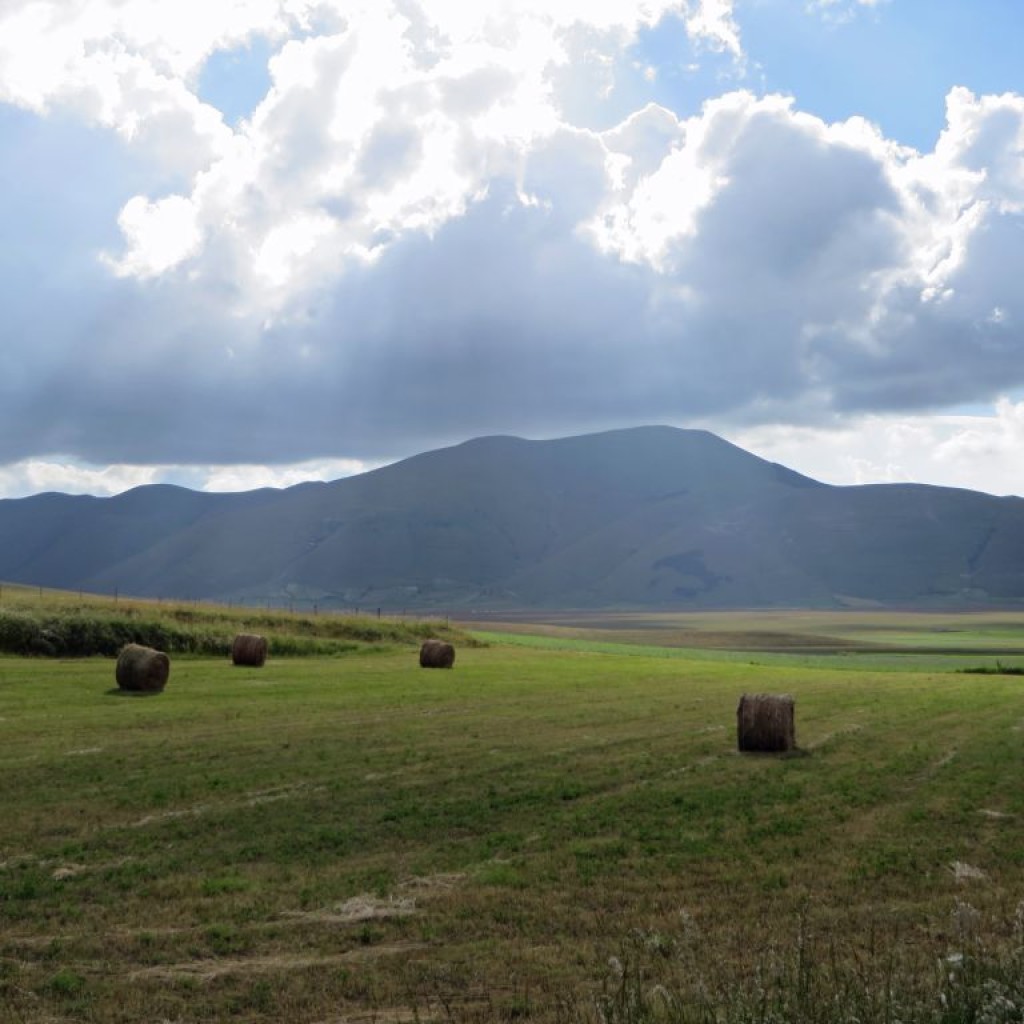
(248, 243)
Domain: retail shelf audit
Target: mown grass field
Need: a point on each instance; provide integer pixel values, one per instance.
(545, 833)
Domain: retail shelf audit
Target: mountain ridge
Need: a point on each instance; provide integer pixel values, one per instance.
(646, 516)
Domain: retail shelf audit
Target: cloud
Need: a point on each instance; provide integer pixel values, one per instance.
(249, 477)
(843, 10)
(157, 235)
(712, 21)
(975, 451)
(34, 476)
(412, 239)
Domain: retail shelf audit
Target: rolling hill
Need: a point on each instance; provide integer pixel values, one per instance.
(649, 516)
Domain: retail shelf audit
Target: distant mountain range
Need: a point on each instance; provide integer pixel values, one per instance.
(646, 517)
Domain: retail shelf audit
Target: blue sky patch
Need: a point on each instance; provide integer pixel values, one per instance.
(235, 81)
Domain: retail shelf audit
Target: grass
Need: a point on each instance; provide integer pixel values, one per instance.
(999, 670)
(872, 659)
(544, 834)
(39, 622)
(877, 640)
(784, 631)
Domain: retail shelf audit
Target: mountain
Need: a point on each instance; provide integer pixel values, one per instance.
(650, 516)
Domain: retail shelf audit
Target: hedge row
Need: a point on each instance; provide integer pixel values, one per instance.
(75, 636)
(75, 632)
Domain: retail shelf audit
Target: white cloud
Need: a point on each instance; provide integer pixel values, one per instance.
(248, 478)
(34, 476)
(69, 476)
(984, 139)
(158, 236)
(365, 124)
(659, 206)
(127, 66)
(977, 452)
(290, 249)
(842, 10)
(49, 47)
(713, 21)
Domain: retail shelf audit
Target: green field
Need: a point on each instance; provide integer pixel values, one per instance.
(784, 632)
(556, 830)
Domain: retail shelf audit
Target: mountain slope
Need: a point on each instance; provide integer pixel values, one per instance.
(49, 539)
(647, 516)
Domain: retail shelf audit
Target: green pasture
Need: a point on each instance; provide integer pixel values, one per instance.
(854, 640)
(877, 658)
(552, 833)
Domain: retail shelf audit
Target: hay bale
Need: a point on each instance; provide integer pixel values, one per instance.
(765, 722)
(249, 649)
(142, 669)
(436, 654)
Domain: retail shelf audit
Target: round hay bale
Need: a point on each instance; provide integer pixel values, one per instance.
(142, 669)
(436, 654)
(765, 723)
(249, 649)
